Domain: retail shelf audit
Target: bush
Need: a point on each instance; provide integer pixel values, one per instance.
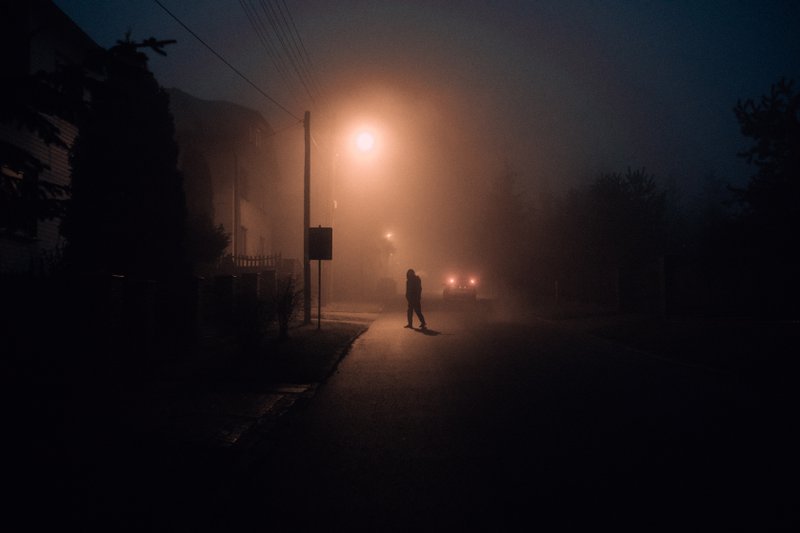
(286, 298)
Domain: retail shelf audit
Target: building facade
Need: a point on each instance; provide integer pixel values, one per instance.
(35, 36)
(227, 155)
(230, 170)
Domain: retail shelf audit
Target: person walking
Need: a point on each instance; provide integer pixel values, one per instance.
(414, 298)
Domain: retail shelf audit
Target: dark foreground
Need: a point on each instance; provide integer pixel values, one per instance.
(488, 420)
(487, 423)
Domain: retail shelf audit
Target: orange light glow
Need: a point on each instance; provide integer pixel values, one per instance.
(365, 141)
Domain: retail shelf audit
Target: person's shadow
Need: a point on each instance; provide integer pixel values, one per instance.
(427, 331)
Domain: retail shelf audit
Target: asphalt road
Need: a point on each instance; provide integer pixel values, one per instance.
(486, 422)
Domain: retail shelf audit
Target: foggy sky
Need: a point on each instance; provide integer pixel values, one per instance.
(579, 85)
(560, 90)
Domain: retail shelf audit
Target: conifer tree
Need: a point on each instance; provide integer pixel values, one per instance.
(127, 211)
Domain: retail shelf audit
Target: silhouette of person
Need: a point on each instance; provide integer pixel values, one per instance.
(414, 298)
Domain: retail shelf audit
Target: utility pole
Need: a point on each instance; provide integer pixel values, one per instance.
(333, 196)
(307, 221)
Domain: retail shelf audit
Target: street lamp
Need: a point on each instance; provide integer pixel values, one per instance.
(361, 143)
(365, 141)
(390, 249)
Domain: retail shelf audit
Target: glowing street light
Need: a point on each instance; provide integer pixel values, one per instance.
(358, 145)
(365, 141)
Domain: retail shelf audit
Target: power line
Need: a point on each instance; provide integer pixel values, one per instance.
(239, 73)
(263, 35)
(275, 20)
(294, 49)
(273, 23)
(302, 51)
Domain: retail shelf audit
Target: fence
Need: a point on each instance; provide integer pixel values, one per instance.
(239, 264)
(126, 326)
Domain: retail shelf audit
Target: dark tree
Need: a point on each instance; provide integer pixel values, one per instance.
(769, 223)
(205, 242)
(502, 230)
(127, 212)
(617, 222)
(627, 216)
(617, 219)
(771, 198)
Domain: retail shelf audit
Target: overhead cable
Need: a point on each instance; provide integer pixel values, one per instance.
(254, 17)
(275, 20)
(303, 52)
(237, 71)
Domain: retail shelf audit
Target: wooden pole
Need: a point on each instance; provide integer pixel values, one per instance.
(307, 220)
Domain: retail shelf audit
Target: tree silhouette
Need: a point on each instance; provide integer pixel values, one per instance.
(618, 219)
(501, 229)
(205, 241)
(127, 211)
(768, 226)
(628, 216)
(615, 222)
(772, 195)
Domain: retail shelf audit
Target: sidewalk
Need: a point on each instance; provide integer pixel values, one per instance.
(144, 455)
(222, 403)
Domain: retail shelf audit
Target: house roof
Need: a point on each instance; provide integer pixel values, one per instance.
(213, 120)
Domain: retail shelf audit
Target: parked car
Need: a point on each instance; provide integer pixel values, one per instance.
(460, 287)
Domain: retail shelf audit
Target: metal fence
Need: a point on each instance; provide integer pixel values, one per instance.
(239, 264)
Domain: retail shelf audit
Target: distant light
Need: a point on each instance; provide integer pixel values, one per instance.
(389, 235)
(365, 141)
(473, 281)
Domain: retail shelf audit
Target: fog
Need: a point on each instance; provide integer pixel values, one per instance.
(487, 117)
(412, 202)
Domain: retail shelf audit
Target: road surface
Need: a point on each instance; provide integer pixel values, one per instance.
(487, 422)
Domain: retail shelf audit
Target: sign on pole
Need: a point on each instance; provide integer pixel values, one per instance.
(320, 248)
(320, 244)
